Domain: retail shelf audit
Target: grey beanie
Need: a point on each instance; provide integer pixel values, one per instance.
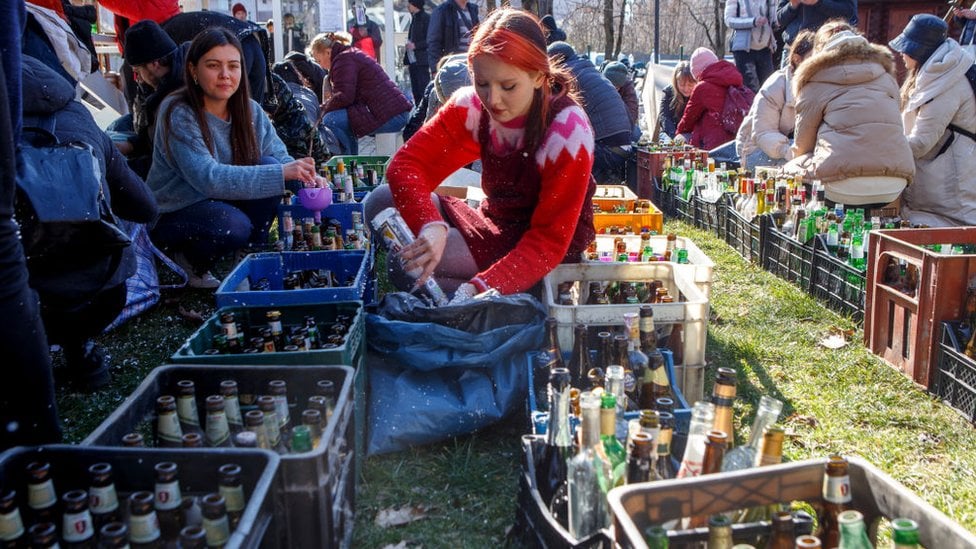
(617, 73)
(561, 49)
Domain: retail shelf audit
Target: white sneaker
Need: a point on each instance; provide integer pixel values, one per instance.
(205, 281)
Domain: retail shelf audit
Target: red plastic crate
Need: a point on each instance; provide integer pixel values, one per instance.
(651, 163)
(902, 326)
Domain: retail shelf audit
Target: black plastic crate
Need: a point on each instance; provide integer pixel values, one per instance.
(955, 382)
(133, 470)
(665, 198)
(683, 209)
(710, 216)
(744, 236)
(786, 257)
(835, 283)
(309, 481)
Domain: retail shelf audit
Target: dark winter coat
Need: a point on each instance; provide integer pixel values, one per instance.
(629, 94)
(702, 116)
(419, 24)
(46, 93)
(444, 34)
(667, 117)
(360, 85)
(603, 105)
(806, 17)
(145, 105)
(293, 125)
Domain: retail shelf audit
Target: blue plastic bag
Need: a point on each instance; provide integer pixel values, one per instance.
(440, 372)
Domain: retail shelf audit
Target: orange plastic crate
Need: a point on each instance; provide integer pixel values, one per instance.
(900, 325)
(635, 221)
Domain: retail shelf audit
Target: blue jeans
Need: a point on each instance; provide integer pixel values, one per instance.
(338, 122)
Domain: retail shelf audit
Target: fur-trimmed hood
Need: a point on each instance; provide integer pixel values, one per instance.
(852, 61)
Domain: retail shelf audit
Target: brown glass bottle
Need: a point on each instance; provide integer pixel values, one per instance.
(665, 464)
(579, 361)
(837, 499)
(772, 452)
(232, 489)
(604, 351)
(113, 535)
(43, 535)
(320, 404)
(551, 343)
(169, 434)
(254, 422)
(133, 440)
(102, 498)
(77, 526)
(143, 523)
(640, 463)
(782, 534)
(808, 542)
(168, 500)
(41, 496)
(193, 537)
(218, 426)
(715, 445)
(12, 532)
(215, 521)
(723, 396)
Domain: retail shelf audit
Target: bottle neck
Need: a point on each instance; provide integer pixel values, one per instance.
(764, 419)
(590, 426)
(559, 434)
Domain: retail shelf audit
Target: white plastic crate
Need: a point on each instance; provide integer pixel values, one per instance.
(690, 309)
(700, 265)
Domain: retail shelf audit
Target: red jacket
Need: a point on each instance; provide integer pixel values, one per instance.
(360, 85)
(704, 108)
(137, 10)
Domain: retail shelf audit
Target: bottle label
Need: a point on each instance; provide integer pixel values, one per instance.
(168, 496)
(837, 489)
(41, 496)
(218, 531)
(218, 433)
(230, 330)
(186, 409)
(660, 377)
(275, 326)
(233, 498)
(232, 411)
(11, 525)
(103, 499)
(857, 251)
(144, 528)
(169, 429)
(77, 527)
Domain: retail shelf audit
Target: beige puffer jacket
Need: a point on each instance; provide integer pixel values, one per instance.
(848, 122)
(944, 190)
(770, 120)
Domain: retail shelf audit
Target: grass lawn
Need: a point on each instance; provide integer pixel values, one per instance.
(837, 401)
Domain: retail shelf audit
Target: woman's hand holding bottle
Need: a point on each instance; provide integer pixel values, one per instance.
(424, 253)
(302, 170)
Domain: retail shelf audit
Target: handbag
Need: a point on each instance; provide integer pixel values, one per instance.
(741, 39)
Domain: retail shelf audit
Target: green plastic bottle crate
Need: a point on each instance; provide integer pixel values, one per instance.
(310, 482)
(376, 162)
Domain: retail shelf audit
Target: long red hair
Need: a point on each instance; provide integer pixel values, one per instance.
(516, 37)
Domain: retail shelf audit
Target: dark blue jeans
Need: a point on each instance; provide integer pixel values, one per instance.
(28, 413)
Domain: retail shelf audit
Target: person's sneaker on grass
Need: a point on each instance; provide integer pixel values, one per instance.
(204, 281)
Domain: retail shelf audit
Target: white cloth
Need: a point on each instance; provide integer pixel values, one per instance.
(74, 56)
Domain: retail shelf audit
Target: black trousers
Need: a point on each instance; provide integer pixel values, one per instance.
(419, 78)
(755, 66)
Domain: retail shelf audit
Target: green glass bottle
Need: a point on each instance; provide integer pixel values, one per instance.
(853, 534)
(615, 451)
(904, 532)
(657, 537)
(301, 439)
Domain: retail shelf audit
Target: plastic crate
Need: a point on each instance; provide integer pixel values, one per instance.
(902, 328)
(955, 380)
(744, 236)
(377, 163)
(650, 167)
(635, 221)
(710, 216)
(874, 493)
(609, 197)
(683, 209)
(787, 258)
(690, 310)
(235, 290)
(309, 481)
(664, 198)
(133, 471)
(698, 263)
(835, 282)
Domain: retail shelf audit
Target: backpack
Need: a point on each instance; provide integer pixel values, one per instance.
(71, 237)
(738, 101)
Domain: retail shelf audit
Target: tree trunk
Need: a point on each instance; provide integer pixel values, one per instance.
(608, 28)
(620, 30)
(719, 11)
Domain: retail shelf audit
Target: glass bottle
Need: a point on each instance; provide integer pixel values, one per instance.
(279, 390)
(639, 361)
(715, 444)
(103, 500)
(12, 533)
(615, 451)
(267, 406)
(772, 448)
(193, 537)
(782, 535)
(143, 523)
(313, 420)
(747, 455)
(193, 440)
(113, 535)
(551, 343)
(232, 405)
(579, 361)
(614, 385)
(702, 418)
(218, 428)
(723, 396)
(186, 407)
(621, 353)
(247, 439)
(133, 440)
(904, 533)
(43, 535)
(326, 389)
(231, 488)
(552, 469)
(808, 542)
(605, 350)
(41, 496)
(235, 339)
(301, 441)
(657, 537)
(837, 499)
(77, 526)
(853, 534)
(215, 521)
(665, 464)
(169, 433)
(168, 500)
(589, 474)
(719, 532)
(640, 463)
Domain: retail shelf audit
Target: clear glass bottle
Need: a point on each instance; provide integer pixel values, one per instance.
(702, 419)
(589, 474)
(279, 390)
(747, 455)
(232, 406)
(169, 433)
(218, 428)
(267, 405)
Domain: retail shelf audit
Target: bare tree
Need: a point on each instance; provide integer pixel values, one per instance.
(608, 28)
(620, 30)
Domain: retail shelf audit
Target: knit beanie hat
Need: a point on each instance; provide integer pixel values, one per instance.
(238, 7)
(419, 4)
(617, 73)
(561, 49)
(701, 59)
(146, 41)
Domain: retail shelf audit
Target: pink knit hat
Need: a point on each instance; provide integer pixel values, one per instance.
(701, 59)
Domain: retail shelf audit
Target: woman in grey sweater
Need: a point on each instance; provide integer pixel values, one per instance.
(218, 169)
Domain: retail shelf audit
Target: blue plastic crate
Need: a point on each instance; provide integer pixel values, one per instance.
(236, 291)
(682, 411)
(341, 212)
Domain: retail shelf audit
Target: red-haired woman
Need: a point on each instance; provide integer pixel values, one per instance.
(536, 148)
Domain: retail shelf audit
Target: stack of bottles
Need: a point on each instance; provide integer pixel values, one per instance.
(307, 235)
(643, 252)
(641, 206)
(614, 292)
(233, 419)
(685, 176)
(236, 337)
(345, 182)
(303, 280)
(154, 516)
